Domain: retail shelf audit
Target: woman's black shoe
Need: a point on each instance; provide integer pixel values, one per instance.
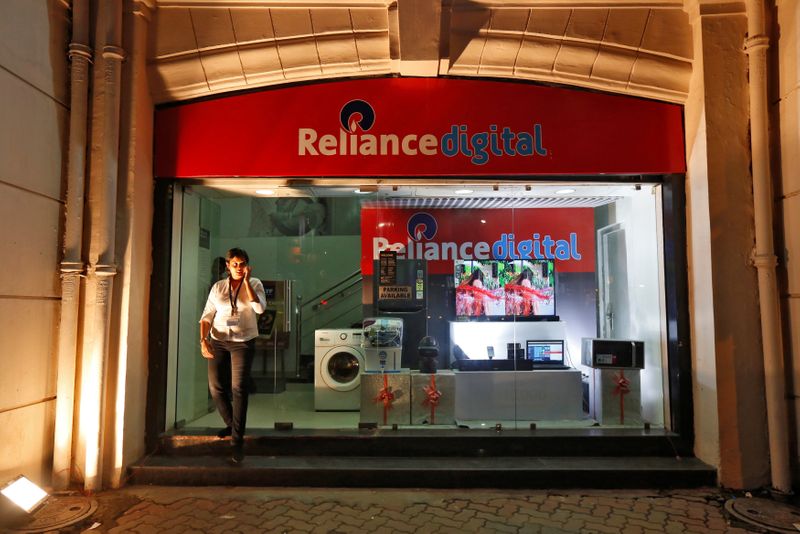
(224, 433)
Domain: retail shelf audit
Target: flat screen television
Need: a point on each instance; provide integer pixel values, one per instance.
(505, 290)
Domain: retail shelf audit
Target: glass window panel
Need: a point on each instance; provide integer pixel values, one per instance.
(495, 288)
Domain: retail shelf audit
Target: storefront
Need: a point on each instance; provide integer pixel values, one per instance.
(526, 242)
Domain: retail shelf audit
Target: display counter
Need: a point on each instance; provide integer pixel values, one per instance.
(519, 395)
(475, 337)
(506, 392)
(495, 396)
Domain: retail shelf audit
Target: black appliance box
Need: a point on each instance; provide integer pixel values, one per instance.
(612, 353)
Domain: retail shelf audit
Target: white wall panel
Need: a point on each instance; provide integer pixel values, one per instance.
(34, 119)
(29, 243)
(27, 444)
(34, 44)
(33, 137)
(28, 329)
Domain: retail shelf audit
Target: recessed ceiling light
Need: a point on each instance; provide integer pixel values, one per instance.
(360, 192)
(483, 221)
(265, 192)
(463, 191)
(565, 191)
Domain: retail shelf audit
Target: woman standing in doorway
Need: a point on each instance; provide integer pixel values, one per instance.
(228, 328)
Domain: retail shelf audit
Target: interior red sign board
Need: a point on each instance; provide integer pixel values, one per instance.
(443, 235)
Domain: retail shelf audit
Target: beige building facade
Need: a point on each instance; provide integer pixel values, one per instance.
(80, 82)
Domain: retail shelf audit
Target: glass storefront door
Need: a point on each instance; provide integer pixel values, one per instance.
(535, 303)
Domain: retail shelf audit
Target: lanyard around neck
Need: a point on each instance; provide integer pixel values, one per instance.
(234, 298)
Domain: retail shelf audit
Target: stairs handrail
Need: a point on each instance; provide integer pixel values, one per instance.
(353, 279)
(334, 288)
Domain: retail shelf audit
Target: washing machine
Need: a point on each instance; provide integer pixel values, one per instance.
(338, 363)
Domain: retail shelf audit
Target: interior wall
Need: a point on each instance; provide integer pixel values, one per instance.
(646, 322)
(33, 142)
(192, 390)
(316, 260)
(637, 215)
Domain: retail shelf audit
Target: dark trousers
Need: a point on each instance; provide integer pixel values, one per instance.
(229, 380)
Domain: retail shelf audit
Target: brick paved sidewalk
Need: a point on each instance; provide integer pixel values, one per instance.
(247, 510)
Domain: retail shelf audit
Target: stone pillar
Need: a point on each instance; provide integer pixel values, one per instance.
(104, 165)
(127, 369)
(785, 101)
(72, 267)
(723, 283)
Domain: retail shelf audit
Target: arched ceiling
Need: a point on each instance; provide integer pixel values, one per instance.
(205, 47)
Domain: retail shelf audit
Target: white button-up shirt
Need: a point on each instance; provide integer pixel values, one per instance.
(218, 310)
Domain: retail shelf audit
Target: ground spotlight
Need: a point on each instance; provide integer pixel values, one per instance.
(24, 494)
(25, 507)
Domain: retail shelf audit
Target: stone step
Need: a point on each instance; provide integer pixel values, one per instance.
(381, 442)
(425, 472)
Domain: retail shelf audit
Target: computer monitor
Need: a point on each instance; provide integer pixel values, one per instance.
(544, 353)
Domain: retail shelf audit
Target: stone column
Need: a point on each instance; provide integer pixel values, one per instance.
(104, 165)
(80, 55)
(728, 366)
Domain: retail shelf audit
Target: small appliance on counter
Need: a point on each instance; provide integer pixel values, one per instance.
(514, 351)
(383, 343)
(428, 354)
(612, 353)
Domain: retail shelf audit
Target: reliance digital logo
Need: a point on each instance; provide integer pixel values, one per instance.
(422, 225)
(422, 229)
(357, 117)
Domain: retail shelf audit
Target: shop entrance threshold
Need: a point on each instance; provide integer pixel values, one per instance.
(530, 458)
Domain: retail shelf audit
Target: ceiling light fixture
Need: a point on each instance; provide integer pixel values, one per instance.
(366, 189)
(463, 191)
(265, 192)
(565, 191)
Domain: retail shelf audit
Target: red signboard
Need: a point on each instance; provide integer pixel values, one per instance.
(440, 236)
(419, 127)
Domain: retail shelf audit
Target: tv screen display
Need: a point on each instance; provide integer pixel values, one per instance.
(502, 289)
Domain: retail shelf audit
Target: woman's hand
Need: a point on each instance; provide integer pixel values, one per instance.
(205, 349)
(247, 270)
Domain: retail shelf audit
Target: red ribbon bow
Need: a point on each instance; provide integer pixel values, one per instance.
(622, 388)
(385, 396)
(432, 398)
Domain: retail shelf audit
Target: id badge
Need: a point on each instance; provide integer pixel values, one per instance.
(232, 320)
